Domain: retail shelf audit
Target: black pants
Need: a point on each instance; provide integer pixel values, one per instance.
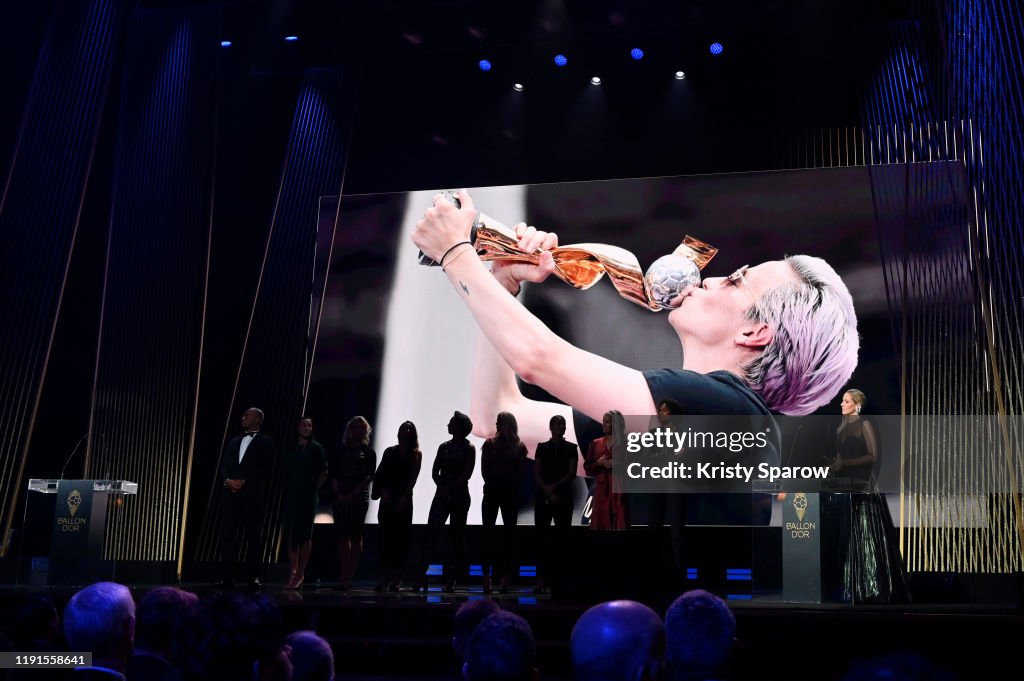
(394, 531)
(241, 515)
(505, 498)
(447, 504)
(550, 543)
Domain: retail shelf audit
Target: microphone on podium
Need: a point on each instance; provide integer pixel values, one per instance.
(72, 455)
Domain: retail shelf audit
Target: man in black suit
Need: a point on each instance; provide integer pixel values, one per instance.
(245, 468)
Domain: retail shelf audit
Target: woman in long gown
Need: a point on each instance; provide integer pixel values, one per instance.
(608, 507)
(872, 567)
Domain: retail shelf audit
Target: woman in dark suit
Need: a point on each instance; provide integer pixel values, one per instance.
(393, 484)
(502, 462)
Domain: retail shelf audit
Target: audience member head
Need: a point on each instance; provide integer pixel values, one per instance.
(312, 658)
(618, 641)
(467, 617)
(101, 619)
(162, 618)
(38, 624)
(238, 637)
(501, 649)
(699, 633)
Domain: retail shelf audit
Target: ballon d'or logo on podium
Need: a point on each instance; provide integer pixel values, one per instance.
(800, 505)
(74, 501)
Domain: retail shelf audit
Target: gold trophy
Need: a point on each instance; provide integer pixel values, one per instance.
(582, 265)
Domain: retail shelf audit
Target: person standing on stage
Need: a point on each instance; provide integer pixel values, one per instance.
(453, 467)
(873, 569)
(351, 470)
(306, 471)
(245, 467)
(393, 485)
(608, 509)
(554, 470)
(502, 462)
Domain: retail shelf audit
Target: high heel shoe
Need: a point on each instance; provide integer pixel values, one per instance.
(290, 584)
(449, 586)
(395, 587)
(418, 586)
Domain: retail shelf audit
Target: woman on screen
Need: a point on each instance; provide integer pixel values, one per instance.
(393, 484)
(502, 462)
(608, 509)
(306, 470)
(872, 566)
(777, 337)
(351, 470)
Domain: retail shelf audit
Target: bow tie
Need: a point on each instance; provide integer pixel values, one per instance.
(252, 434)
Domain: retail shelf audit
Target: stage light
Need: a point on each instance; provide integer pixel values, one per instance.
(680, 75)
(518, 87)
(291, 38)
(595, 81)
(636, 53)
(716, 48)
(560, 60)
(225, 43)
(485, 65)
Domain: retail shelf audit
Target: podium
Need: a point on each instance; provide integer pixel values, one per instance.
(816, 535)
(79, 528)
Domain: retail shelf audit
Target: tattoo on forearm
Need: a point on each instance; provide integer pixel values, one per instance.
(464, 288)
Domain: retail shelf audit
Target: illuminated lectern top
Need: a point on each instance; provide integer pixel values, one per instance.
(49, 486)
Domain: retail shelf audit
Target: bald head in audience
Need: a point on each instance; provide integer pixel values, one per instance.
(501, 649)
(618, 641)
(699, 630)
(469, 615)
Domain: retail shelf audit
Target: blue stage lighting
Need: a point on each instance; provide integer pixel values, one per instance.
(291, 38)
(716, 48)
(636, 53)
(225, 43)
(485, 65)
(560, 60)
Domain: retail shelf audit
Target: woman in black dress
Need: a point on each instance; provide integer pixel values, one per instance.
(502, 461)
(351, 470)
(393, 484)
(872, 567)
(306, 470)
(453, 467)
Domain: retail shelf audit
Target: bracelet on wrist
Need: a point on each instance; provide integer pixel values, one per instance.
(457, 255)
(453, 247)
